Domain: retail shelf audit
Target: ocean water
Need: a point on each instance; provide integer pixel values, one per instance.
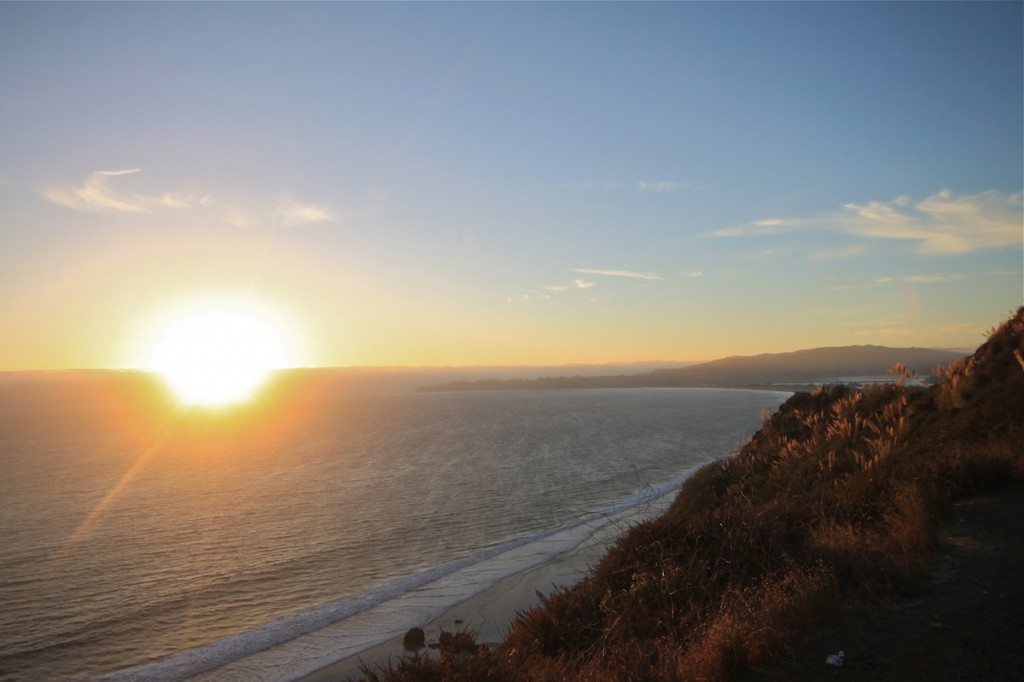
(150, 544)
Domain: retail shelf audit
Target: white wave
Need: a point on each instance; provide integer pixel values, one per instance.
(415, 598)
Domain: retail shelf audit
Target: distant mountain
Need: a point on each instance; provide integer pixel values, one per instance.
(813, 366)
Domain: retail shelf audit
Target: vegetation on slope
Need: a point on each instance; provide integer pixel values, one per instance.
(833, 503)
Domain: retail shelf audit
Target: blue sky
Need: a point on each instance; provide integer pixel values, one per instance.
(462, 183)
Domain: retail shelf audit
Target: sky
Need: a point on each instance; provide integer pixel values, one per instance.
(510, 183)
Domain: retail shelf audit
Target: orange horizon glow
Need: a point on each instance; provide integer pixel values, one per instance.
(300, 330)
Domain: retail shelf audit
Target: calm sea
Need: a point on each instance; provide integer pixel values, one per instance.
(147, 544)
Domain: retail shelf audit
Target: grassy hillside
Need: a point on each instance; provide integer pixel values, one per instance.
(833, 503)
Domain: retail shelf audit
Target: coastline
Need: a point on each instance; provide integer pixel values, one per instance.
(489, 613)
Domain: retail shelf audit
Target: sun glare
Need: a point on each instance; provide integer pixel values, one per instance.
(217, 353)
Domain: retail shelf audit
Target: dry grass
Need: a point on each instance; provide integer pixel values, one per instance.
(832, 503)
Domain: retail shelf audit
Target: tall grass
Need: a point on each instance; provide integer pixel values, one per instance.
(833, 503)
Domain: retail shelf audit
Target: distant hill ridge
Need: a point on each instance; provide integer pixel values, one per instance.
(811, 366)
(815, 364)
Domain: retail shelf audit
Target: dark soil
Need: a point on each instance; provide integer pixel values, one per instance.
(965, 623)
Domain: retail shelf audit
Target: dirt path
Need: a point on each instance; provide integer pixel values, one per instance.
(967, 623)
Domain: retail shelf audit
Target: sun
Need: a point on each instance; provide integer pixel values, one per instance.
(217, 352)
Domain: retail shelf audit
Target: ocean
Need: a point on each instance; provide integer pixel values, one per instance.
(143, 543)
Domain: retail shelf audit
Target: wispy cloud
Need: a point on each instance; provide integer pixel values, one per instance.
(619, 273)
(932, 279)
(593, 186)
(835, 254)
(544, 293)
(855, 287)
(764, 254)
(663, 186)
(294, 213)
(637, 186)
(944, 223)
(97, 195)
(767, 226)
(549, 291)
(904, 279)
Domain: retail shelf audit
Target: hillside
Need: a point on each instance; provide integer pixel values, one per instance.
(832, 506)
(810, 366)
(813, 366)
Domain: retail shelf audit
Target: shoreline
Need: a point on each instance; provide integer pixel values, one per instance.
(490, 613)
(481, 598)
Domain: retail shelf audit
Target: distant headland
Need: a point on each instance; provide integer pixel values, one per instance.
(798, 370)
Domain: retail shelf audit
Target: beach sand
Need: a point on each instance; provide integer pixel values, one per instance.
(335, 652)
(487, 614)
(490, 613)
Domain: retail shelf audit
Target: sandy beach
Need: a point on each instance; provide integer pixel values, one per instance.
(490, 613)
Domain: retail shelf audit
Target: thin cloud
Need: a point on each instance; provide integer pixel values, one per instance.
(944, 223)
(232, 215)
(619, 273)
(638, 186)
(766, 253)
(854, 287)
(97, 195)
(662, 186)
(695, 273)
(593, 186)
(767, 226)
(835, 254)
(535, 296)
(293, 213)
(551, 290)
(932, 279)
(905, 279)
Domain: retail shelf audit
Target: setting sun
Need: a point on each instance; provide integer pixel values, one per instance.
(218, 352)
